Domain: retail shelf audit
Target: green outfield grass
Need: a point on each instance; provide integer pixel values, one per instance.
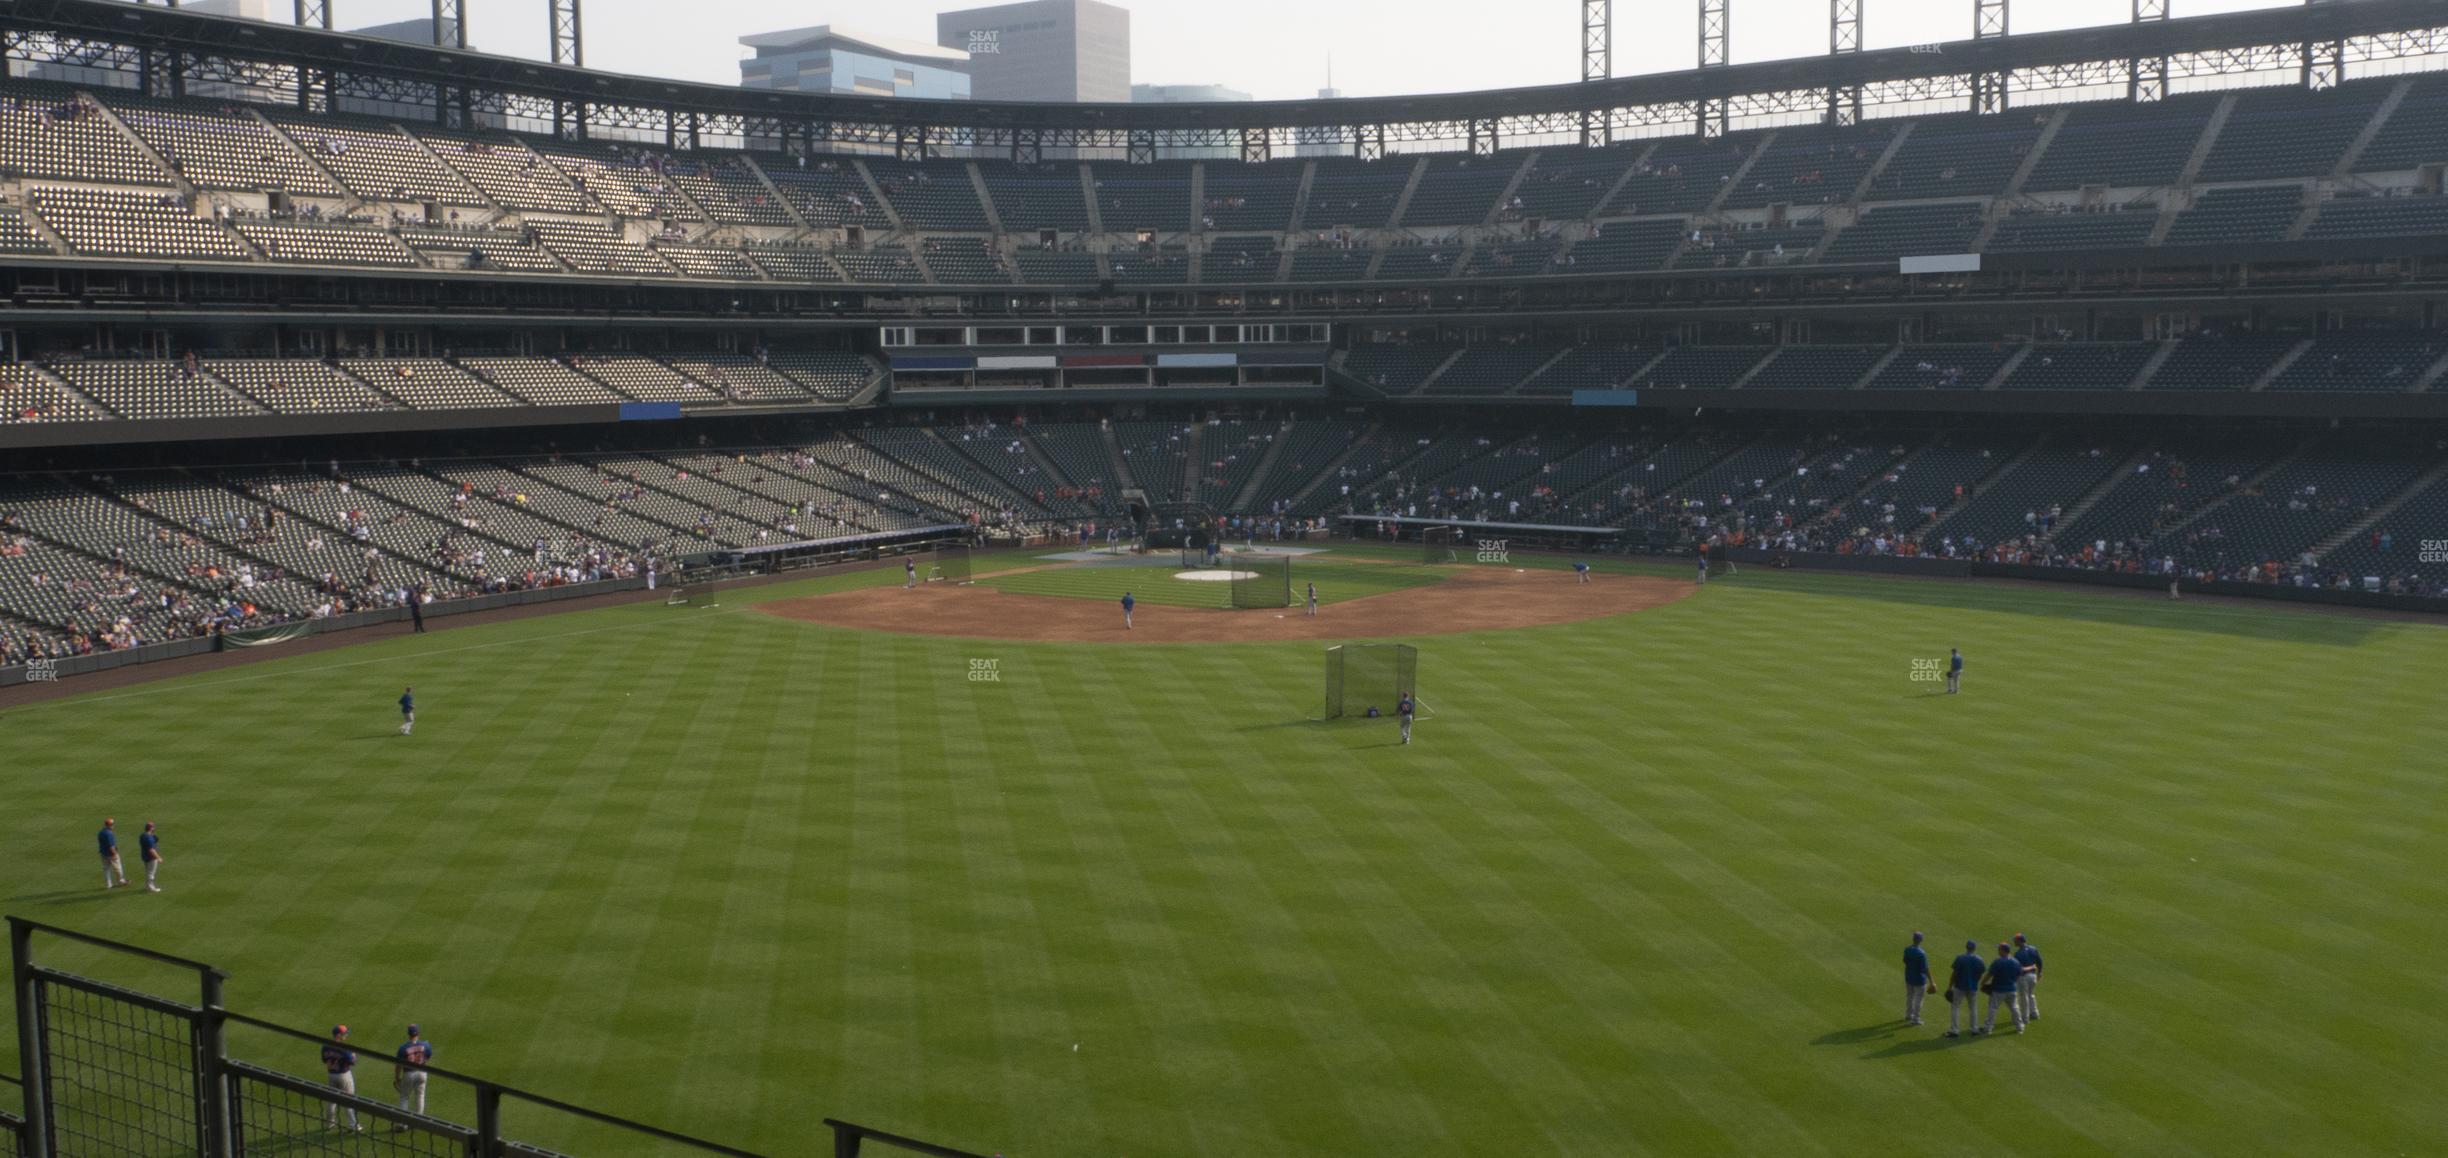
(1639, 889)
(1336, 582)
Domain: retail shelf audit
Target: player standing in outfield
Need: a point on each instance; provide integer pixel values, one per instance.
(909, 573)
(407, 710)
(410, 1081)
(1404, 709)
(1963, 980)
(1916, 979)
(108, 839)
(1581, 569)
(2004, 974)
(148, 850)
(1954, 671)
(2027, 987)
(1127, 604)
(1313, 599)
(340, 1073)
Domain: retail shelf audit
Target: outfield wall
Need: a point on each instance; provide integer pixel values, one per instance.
(1968, 569)
(205, 644)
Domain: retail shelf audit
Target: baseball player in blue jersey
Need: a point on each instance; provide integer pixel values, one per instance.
(1963, 981)
(340, 1073)
(2027, 987)
(1703, 567)
(2004, 974)
(1127, 604)
(1916, 979)
(1581, 569)
(407, 710)
(1313, 599)
(909, 573)
(1954, 671)
(108, 840)
(1405, 709)
(148, 850)
(407, 1078)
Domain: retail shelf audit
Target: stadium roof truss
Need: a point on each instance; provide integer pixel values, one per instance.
(169, 51)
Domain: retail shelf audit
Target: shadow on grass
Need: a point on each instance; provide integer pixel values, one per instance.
(2277, 622)
(72, 896)
(1920, 1045)
(1886, 1028)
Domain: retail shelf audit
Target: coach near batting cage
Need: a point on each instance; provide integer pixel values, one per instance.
(950, 565)
(1262, 582)
(1360, 676)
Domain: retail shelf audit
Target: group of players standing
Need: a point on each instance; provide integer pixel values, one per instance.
(148, 846)
(2012, 979)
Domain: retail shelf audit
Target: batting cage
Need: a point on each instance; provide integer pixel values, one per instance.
(1361, 676)
(951, 564)
(1441, 545)
(1170, 525)
(1262, 582)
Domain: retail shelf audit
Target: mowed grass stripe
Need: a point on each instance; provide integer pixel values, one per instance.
(1640, 886)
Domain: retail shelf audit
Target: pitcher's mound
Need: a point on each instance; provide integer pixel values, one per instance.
(1472, 599)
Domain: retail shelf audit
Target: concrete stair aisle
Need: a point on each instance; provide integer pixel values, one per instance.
(1504, 195)
(884, 205)
(1194, 456)
(1441, 367)
(2082, 506)
(1114, 457)
(1248, 494)
(2158, 358)
(2248, 485)
(1869, 178)
(1717, 201)
(1939, 522)
(2006, 369)
(2364, 525)
(2040, 145)
(2208, 140)
(1327, 472)
(1411, 184)
(2293, 354)
(2371, 129)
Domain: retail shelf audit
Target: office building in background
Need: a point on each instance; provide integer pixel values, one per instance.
(1043, 50)
(832, 59)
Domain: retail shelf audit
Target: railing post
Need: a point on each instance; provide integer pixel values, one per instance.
(212, 1070)
(845, 1140)
(488, 1121)
(30, 1038)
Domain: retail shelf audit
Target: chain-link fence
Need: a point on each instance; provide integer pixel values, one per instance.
(113, 1072)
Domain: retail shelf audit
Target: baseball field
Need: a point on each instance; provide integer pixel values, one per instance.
(1639, 887)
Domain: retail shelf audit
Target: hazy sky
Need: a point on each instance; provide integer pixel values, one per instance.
(1273, 49)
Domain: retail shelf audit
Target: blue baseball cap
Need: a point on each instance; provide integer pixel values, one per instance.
(1916, 934)
(1970, 946)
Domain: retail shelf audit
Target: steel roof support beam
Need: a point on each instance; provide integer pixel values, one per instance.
(1844, 38)
(568, 40)
(2147, 79)
(1989, 88)
(1597, 39)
